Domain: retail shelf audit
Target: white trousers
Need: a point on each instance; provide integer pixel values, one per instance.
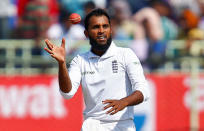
(96, 125)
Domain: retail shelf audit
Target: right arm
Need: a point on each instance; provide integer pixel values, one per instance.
(64, 80)
(60, 55)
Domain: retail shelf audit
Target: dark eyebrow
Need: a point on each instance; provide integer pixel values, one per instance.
(95, 26)
(106, 25)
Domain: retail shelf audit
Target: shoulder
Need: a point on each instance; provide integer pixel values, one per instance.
(124, 51)
(127, 55)
(78, 60)
(80, 57)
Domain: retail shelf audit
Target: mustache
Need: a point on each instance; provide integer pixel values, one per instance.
(99, 36)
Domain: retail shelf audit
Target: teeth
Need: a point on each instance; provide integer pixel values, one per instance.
(101, 37)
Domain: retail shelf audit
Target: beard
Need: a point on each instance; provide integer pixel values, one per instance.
(100, 47)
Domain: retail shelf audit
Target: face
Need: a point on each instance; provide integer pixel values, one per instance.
(99, 32)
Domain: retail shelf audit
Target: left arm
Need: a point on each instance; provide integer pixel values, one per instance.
(138, 82)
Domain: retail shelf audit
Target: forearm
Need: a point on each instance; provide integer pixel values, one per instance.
(64, 80)
(133, 99)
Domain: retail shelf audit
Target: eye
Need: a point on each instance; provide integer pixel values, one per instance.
(105, 26)
(95, 27)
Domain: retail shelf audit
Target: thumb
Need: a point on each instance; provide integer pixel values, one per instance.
(63, 43)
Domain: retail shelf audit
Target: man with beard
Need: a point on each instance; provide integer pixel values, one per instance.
(112, 78)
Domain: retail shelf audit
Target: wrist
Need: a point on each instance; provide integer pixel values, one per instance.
(62, 63)
(125, 102)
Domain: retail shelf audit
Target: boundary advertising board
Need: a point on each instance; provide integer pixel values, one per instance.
(34, 103)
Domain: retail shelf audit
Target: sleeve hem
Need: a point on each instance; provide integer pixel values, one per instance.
(68, 95)
(144, 93)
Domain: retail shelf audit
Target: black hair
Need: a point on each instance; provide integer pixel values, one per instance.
(95, 12)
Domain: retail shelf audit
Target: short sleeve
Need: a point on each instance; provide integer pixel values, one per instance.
(135, 73)
(75, 77)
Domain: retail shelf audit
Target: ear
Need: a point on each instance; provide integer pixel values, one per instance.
(111, 30)
(86, 33)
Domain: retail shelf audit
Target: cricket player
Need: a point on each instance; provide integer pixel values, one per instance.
(111, 77)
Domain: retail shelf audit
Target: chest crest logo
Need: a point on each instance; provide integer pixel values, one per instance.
(115, 66)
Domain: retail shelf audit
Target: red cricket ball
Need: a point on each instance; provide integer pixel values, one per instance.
(74, 18)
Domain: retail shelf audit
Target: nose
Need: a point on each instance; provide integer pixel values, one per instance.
(101, 30)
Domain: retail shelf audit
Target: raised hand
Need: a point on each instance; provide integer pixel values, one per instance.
(57, 52)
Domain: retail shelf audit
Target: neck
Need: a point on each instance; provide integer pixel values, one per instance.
(97, 52)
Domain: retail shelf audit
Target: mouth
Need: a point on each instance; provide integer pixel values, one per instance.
(101, 38)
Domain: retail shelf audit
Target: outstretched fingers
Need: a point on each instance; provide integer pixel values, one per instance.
(49, 44)
(57, 52)
(63, 43)
(48, 50)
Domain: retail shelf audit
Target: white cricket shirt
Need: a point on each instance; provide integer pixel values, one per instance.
(114, 75)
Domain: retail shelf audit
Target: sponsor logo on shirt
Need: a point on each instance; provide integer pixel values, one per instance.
(88, 72)
(115, 66)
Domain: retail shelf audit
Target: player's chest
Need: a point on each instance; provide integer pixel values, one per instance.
(103, 67)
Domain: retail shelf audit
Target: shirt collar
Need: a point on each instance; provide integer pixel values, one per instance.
(109, 53)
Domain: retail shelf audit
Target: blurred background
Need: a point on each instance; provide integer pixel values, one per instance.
(166, 35)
